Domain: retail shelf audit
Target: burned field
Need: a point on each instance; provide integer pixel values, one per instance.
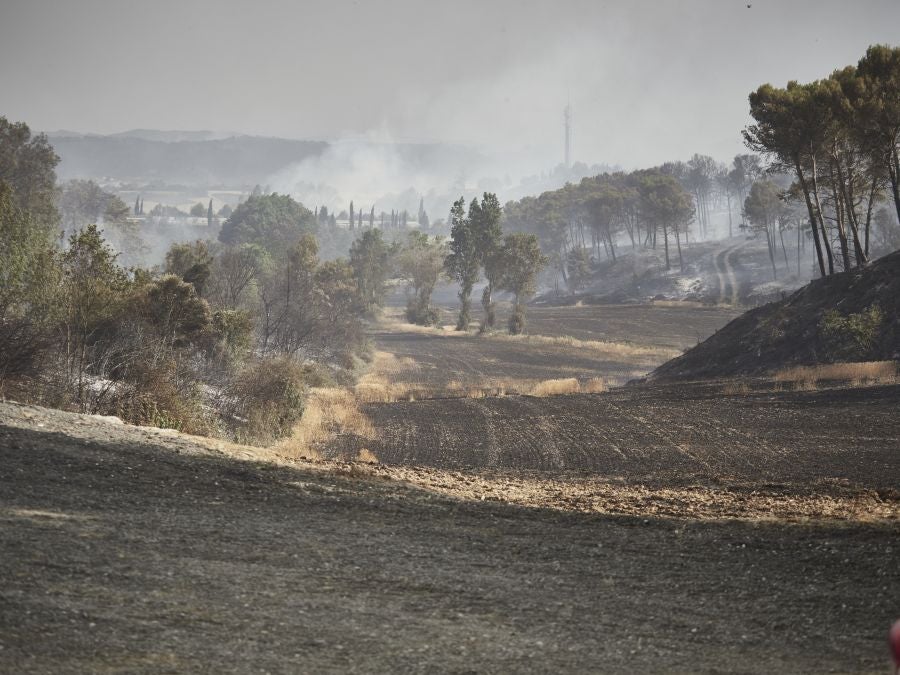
(614, 343)
(676, 435)
(127, 549)
(676, 325)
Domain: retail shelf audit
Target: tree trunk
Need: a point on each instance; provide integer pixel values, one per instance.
(821, 220)
(678, 243)
(894, 173)
(869, 213)
(728, 199)
(850, 208)
(771, 244)
(812, 216)
(666, 243)
(839, 217)
(787, 265)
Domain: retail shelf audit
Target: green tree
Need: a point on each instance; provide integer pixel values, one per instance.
(191, 261)
(93, 290)
(879, 111)
(273, 221)
(578, 265)
(764, 208)
(420, 262)
(520, 261)
(370, 259)
(28, 269)
(484, 221)
(665, 205)
(463, 263)
(28, 167)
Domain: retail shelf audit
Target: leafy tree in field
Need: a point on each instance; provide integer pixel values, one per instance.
(370, 260)
(273, 221)
(339, 302)
(225, 211)
(463, 264)
(420, 262)
(520, 261)
(28, 167)
(198, 210)
(484, 221)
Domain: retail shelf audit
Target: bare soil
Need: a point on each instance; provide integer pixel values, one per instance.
(134, 550)
(677, 325)
(672, 434)
(430, 360)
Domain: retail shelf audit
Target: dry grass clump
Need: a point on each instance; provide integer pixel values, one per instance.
(806, 378)
(617, 350)
(366, 456)
(736, 388)
(329, 411)
(596, 385)
(568, 385)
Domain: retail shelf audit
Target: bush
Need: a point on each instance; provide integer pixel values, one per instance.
(855, 337)
(156, 396)
(422, 315)
(517, 320)
(267, 397)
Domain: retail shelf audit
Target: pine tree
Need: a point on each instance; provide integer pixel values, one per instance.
(351, 214)
(209, 214)
(137, 206)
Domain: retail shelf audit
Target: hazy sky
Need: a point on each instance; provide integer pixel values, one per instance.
(648, 81)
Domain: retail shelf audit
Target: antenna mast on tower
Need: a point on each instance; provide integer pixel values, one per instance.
(567, 115)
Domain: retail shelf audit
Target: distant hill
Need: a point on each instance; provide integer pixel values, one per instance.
(178, 157)
(173, 136)
(844, 317)
(205, 159)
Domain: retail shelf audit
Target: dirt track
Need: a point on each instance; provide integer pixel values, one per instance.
(132, 550)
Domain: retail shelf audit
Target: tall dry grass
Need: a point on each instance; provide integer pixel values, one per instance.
(617, 350)
(329, 411)
(868, 372)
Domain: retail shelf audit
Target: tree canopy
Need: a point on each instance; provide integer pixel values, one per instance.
(273, 221)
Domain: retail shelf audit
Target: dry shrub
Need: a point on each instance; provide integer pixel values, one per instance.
(868, 372)
(568, 385)
(366, 456)
(610, 349)
(596, 385)
(329, 412)
(268, 396)
(736, 388)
